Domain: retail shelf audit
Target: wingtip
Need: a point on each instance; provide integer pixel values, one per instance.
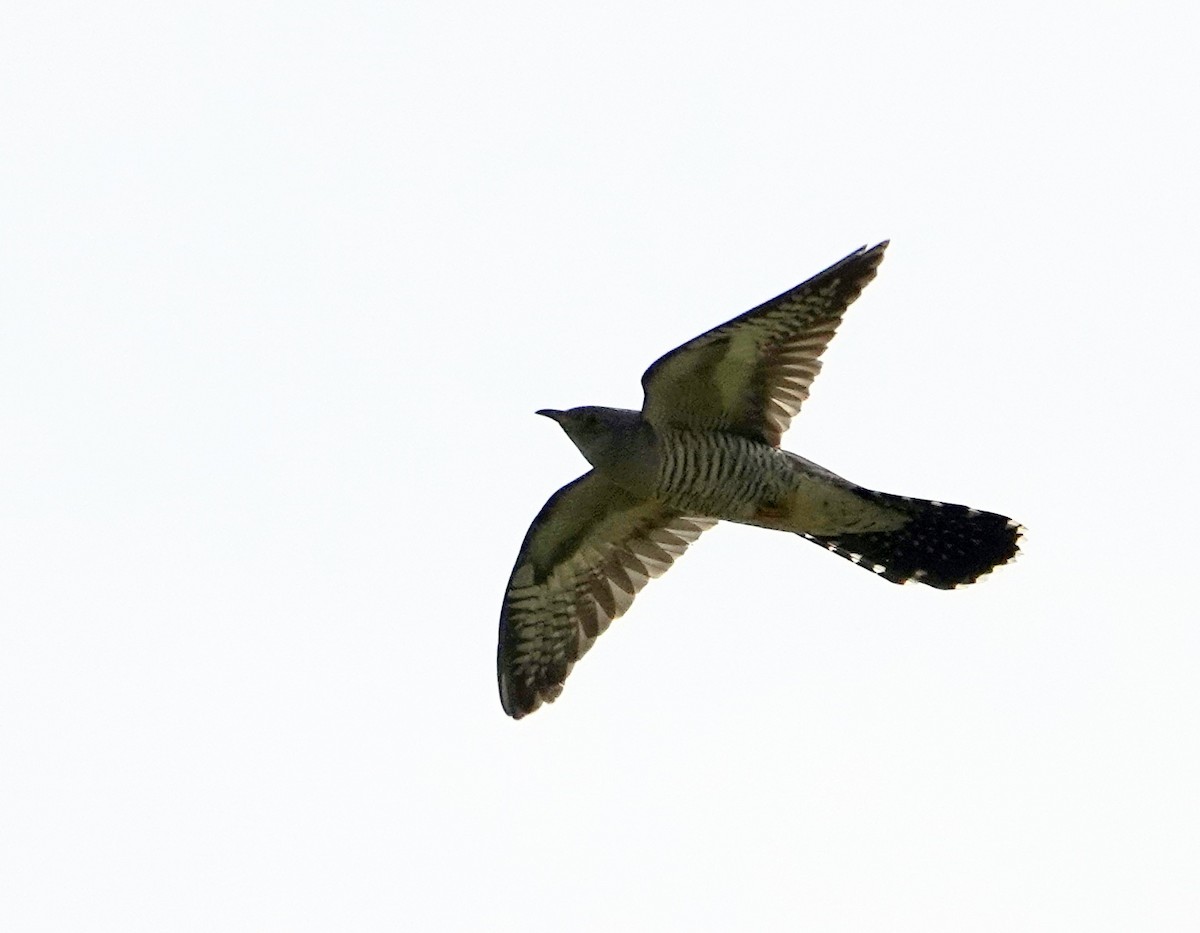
(516, 707)
(520, 706)
(866, 258)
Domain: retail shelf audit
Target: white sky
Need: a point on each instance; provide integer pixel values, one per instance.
(282, 285)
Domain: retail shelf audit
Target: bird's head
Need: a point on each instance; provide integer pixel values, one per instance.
(601, 434)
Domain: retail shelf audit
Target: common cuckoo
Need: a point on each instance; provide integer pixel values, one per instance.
(705, 448)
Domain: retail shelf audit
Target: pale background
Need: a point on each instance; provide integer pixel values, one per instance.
(282, 284)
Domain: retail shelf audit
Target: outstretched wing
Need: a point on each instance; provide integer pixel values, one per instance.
(590, 550)
(751, 375)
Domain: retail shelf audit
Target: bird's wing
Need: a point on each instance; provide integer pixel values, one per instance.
(751, 375)
(590, 550)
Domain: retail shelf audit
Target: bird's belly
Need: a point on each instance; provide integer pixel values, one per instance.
(738, 480)
(723, 476)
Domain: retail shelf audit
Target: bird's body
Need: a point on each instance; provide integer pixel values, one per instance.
(737, 479)
(705, 448)
(721, 475)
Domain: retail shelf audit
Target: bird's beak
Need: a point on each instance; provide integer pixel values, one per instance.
(552, 413)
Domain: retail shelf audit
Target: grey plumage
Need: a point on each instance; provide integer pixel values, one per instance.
(704, 448)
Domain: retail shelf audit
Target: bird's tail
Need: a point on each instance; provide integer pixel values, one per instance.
(941, 545)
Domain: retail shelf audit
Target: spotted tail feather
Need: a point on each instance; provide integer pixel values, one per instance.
(942, 545)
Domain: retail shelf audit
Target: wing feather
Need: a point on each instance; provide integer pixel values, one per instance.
(588, 553)
(751, 375)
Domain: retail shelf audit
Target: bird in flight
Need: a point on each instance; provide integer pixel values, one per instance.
(705, 448)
